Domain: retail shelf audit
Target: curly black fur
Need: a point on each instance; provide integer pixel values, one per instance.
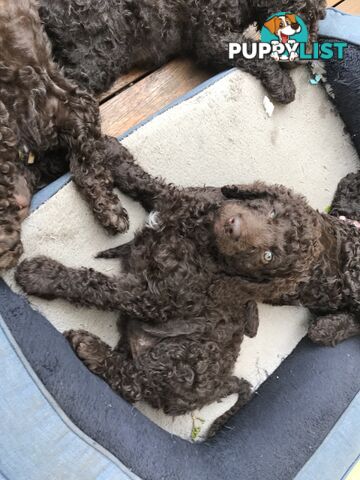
(96, 40)
(43, 116)
(179, 337)
(281, 251)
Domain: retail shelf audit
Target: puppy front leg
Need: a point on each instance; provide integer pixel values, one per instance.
(132, 180)
(92, 174)
(212, 49)
(230, 294)
(50, 279)
(78, 123)
(334, 328)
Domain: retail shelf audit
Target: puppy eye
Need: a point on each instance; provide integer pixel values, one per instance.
(268, 256)
(272, 214)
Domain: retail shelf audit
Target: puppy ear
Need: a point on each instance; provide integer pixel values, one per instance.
(272, 25)
(248, 192)
(291, 17)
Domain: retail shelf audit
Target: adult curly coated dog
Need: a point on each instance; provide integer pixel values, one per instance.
(275, 248)
(97, 40)
(44, 119)
(179, 337)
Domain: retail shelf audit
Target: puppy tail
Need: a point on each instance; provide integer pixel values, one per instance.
(244, 392)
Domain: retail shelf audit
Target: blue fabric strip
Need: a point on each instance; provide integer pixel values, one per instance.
(50, 190)
(340, 449)
(341, 25)
(37, 441)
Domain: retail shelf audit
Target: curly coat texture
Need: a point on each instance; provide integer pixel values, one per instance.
(281, 251)
(46, 118)
(96, 40)
(179, 340)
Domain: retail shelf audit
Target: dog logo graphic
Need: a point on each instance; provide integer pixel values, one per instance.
(284, 30)
(283, 26)
(284, 37)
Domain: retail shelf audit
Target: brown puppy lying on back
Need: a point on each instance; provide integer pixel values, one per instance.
(179, 338)
(185, 298)
(279, 250)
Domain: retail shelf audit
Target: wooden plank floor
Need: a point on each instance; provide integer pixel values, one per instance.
(149, 94)
(141, 93)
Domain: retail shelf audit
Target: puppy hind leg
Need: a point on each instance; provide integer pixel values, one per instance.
(118, 371)
(90, 349)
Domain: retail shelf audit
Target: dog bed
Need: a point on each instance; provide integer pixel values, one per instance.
(227, 124)
(298, 405)
(63, 226)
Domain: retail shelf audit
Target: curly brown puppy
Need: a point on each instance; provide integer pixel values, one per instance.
(179, 338)
(42, 112)
(96, 40)
(281, 251)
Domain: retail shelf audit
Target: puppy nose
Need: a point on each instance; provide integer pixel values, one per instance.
(232, 227)
(295, 25)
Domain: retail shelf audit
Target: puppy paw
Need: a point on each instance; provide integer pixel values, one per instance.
(282, 88)
(115, 219)
(321, 333)
(89, 348)
(330, 330)
(38, 276)
(10, 247)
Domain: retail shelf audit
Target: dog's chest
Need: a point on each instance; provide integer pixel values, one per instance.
(168, 247)
(351, 270)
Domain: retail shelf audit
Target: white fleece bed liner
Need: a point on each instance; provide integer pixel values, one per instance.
(221, 135)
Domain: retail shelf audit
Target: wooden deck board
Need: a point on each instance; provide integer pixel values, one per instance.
(124, 81)
(150, 94)
(332, 3)
(350, 6)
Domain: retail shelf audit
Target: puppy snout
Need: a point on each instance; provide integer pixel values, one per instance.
(233, 227)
